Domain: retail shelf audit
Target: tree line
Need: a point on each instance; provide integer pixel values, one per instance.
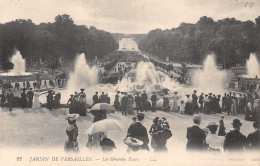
(229, 39)
(49, 41)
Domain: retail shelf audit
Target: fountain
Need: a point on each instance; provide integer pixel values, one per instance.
(210, 78)
(83, 75)
(19, 66)
(145, 77)
(253, 69)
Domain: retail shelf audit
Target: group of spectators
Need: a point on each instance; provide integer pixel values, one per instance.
(208, 139)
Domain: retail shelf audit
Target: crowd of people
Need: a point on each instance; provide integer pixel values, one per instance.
(244, 86)
(136, 138)
(28, 99)
(77, 103)
(208, 139)
(212, 139)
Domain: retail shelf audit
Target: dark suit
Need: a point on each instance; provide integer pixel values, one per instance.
(30, 98)
(95, 99)
(196, 138)
(253, 140)
(234, 141)
(137, 130)
(124, 102)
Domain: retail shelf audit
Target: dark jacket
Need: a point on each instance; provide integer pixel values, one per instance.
(196, 138)
(137, 130)
(234, 141)
(95, 99)
(253, 140)
(30, 95)
(154, 98)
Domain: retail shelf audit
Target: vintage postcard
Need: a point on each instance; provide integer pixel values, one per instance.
(129, 82)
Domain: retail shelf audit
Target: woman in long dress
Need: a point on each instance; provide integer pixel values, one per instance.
(36, 102)
(166, 107)
(188, 106)
(129, 107)
(234, 106)
(71, 145)
(116, 102)
(24, 102)
(174, 106)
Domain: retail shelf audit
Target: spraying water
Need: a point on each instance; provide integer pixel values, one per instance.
(83, 75)
(252, 65)
(19, 65)
(210, 78)
(145, 77)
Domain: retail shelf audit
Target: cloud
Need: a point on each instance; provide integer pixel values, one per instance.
(127, 16)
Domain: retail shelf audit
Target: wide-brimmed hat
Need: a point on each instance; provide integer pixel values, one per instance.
(212, 124)
(71, 117)
(71, 95)
(236, 122)
(107, 142)
(82, 89)
(175, 92)
(196, 117)
(133, 141)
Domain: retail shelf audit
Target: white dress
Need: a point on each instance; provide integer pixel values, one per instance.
(36, 102)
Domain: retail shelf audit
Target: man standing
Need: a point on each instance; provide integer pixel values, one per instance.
(153, 99)
(224, 103)
(10, 100)
(253, 139)
(229, 103)
(195, 105)
(144, 100)
(234, 140)
(196, 136)
(138, 131)
(102, 98)
(138, 102)
(201, 102)
(95, 98)
(124, 102)
(30, 97)
(3, 99)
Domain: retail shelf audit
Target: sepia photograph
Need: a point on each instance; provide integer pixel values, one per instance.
(129, 82)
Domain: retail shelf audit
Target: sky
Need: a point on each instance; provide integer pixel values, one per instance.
(128, 16)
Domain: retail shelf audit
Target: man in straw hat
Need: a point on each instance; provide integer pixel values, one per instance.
(234, 140)
(196, 136)
(253, 139)
(71, 144)
(138, 131)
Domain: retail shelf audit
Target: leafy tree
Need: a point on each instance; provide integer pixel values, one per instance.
(6, 66)
(53, 65)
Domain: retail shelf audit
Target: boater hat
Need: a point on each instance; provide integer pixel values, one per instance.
(133, 141)
(212, 124)
(71, 117)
